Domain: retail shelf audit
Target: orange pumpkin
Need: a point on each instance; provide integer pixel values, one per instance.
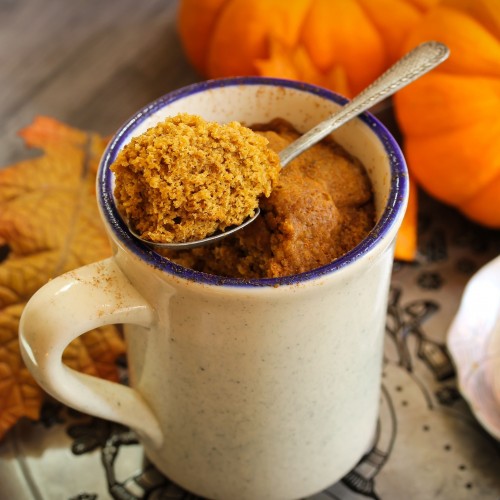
(450, 118)
(340, 44)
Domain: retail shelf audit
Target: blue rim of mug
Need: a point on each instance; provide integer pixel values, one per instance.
(398, 191)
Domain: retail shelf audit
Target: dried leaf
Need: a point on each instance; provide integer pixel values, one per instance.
(49, 224)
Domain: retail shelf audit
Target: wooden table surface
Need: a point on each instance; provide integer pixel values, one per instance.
(93, 63)
(89, 63)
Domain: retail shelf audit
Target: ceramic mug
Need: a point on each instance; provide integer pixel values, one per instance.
(239, 389)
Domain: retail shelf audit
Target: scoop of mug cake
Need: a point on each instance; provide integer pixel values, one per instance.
(186, 178)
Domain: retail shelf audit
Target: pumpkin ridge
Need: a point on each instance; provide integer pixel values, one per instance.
(285, 61)
(473, 49)
(393, 29)
(484, 185)
(446, 182)
(422, 5)
(482, 11)
(330, 44)
(244, 32)
(438, 92)
(215, 25)
(480, 207)
(196, 46)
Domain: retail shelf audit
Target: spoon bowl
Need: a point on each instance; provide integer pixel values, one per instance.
(409, 68)
(198, 243)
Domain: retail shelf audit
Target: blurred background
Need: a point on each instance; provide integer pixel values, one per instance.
(88, 63)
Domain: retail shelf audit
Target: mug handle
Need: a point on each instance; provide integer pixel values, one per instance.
(68, 306)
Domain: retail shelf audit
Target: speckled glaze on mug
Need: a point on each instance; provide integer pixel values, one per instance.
(240, 389)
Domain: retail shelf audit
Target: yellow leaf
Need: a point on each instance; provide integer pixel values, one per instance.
(49, 224)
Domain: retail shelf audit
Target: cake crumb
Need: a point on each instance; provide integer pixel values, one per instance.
(186, 178)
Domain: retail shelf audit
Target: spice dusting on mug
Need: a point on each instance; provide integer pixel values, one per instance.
(186, 178)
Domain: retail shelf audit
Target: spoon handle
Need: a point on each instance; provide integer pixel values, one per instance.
(417, 62)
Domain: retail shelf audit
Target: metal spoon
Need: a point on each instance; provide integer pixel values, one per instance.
(406, 70)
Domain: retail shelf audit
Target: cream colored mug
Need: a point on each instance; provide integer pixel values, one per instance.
(239, 389)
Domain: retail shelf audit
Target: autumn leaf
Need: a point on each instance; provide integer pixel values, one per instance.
(49, 224)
